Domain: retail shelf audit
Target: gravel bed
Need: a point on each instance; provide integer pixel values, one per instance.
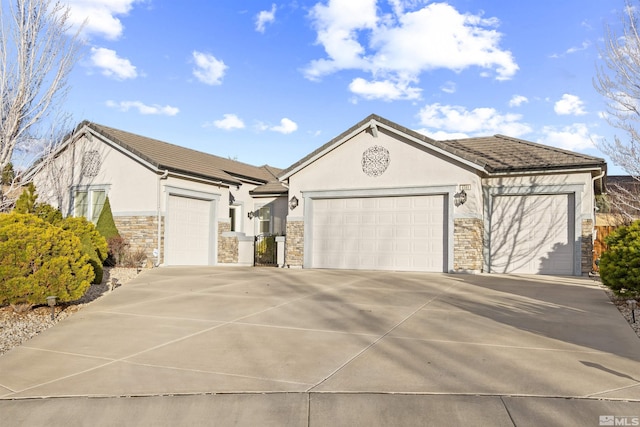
(16, 328)
(624, 309)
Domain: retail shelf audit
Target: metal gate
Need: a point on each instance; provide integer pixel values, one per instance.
(265, 250)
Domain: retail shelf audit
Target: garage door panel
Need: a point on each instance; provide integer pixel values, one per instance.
(188, 231)
(385, 233)
(532, 234)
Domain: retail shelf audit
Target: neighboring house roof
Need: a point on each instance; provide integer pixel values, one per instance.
(627, 182)
(174, 158)
(270, 188)
(493, 155)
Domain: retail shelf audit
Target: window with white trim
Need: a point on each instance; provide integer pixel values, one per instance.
(264, 220)
(89, 202)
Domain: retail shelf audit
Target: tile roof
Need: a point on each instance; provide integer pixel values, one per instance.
(183, 160)
(493, 154)
(270, 188)
(501, 153)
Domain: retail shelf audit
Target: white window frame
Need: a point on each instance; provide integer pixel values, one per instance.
(91, 192)
(262, 218)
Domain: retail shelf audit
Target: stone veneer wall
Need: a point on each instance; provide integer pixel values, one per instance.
(227, 246)
(586, 246)
(467, 241)
(294, 252)
(142, 234)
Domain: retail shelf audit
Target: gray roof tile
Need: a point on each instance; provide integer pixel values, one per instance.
(183, 160)
(494, 154)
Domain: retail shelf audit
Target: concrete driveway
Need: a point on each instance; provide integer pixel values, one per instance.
(250, 346)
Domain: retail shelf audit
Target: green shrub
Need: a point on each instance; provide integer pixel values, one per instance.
(93, 244)
(27, 201)
(620, 264)
(105, 225)
(8, 175)
(48, 213)
(38, 259)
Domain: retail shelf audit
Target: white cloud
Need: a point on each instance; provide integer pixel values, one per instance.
(569, 104)
(573, 137)
(584, 46)
(228, 122)
(518, 100)
(442, 135)
(386, 90)
(100, 16)
(265, 17)
(209, 70)
(455, 119)
(112, 65)
(448, 87)
(286, 126)
(399, 46)
(142, 108)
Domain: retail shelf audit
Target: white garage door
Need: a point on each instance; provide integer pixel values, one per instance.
(385, 233)
(532, 234)
(188, 234)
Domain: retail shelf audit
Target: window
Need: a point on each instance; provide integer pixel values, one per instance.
(88, 203)
(264, 220)
(232, 217)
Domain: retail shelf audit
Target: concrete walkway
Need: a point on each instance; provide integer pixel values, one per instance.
(249, 346)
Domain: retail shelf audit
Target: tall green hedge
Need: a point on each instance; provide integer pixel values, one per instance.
(38, 259)
(620, 263)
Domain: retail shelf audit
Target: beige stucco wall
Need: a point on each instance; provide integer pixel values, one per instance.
(552, 182)
(410, 166)
(135, 184)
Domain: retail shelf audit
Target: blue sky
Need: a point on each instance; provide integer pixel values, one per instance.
(269, 82)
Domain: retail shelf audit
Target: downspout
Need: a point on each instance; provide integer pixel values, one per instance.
(593, 183)
(594, 230)
(159, 217)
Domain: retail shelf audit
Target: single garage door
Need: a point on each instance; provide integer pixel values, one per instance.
(188, 234)
(379, 233)
(532, 234)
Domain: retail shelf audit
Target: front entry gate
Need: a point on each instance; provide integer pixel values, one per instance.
(265, 250)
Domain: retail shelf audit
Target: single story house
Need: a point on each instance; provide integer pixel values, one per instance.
(181, 206)
(378, 196)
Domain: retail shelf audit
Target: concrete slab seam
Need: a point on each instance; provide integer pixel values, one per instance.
(354, 357)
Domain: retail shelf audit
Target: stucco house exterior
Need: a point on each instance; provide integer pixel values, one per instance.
(379, 196)
(181, 206)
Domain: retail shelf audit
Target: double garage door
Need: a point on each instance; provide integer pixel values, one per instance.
(380, 233)
(188, 231)
(529, 234)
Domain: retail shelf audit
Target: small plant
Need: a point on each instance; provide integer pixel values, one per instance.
(135, 258)
(620, 264)
(118, 249)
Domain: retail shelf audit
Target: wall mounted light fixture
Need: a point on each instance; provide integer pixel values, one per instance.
(250, 215)
(293, 203)
(460, 198)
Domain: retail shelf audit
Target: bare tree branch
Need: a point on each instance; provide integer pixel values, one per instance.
(618, 81)
(37, 55)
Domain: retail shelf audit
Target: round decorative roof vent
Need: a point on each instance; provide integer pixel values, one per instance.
(375, 160)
